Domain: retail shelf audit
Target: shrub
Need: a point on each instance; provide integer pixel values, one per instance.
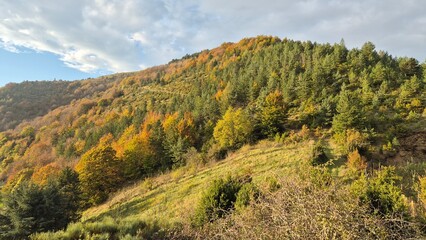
(422, 189)
(380, 192)
(272, 184)
(351, 139)
(318, 155)
(216, 153)
(300, 210)
(356, 162)
(218, 200)
(248, 193)
(107, 228)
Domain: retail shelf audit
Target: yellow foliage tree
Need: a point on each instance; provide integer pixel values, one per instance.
(233, 129)
(100, 173)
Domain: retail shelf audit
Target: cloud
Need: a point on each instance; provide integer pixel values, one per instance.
(128, 35)
(100, 34)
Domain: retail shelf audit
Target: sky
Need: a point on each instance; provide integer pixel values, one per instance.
(76, 39)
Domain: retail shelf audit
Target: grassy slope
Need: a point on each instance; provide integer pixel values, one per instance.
(171, 197)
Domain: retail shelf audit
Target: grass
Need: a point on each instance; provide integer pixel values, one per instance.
(171, 197)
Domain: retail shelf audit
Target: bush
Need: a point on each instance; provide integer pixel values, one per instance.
(248, 193)
(218, 200)
(318, 155)
(107, 228)
(351, 139)
(356, 162)
(272, 184)
(381, 193)
(422, 189)
(216, 153)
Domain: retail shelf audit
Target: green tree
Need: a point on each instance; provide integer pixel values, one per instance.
(69, 188)
(349, 112)
(30, 208)
(381, 192)
(157, 142)
(233, 129)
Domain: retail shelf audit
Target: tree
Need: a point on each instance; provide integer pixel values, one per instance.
(69, 188)
(233, 129)
(381, 192)
(30, 208)
(157, 143)
(273, 114)
(349, 112)
(100, 173)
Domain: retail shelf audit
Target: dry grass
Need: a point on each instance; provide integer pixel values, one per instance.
(302, 210)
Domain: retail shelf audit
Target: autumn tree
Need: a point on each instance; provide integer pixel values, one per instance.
(100, 173)
(273, 114)
(233, 129)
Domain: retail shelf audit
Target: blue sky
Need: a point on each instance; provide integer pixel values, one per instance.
(75, 39)
(30, 65)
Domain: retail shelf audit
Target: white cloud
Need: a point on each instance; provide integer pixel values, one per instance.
(128, 35)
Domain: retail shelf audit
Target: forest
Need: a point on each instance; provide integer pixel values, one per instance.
(352, 122)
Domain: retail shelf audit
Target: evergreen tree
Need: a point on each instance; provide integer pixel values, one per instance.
(349, 112)
(29, 208)
(69, 188)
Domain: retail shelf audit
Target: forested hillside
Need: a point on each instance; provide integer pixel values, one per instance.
(27, 100)
(95, 136)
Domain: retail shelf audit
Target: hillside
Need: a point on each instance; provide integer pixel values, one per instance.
(170, 197)
(103, 134)
(28, 100)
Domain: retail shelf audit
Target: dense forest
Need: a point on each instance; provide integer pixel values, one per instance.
(69, 146)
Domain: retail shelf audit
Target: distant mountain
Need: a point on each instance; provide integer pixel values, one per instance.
(21, 102)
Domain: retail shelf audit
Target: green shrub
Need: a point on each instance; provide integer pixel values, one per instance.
(272, 184)
(218, 200)
(248, 193)
(131, 227)
(107, 228)
(380, 192)
(318, 155)
(352, 139)
(107, 225)
(74, 231)
(320, 177)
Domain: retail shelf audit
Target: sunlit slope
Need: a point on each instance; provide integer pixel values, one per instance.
(172, 196)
